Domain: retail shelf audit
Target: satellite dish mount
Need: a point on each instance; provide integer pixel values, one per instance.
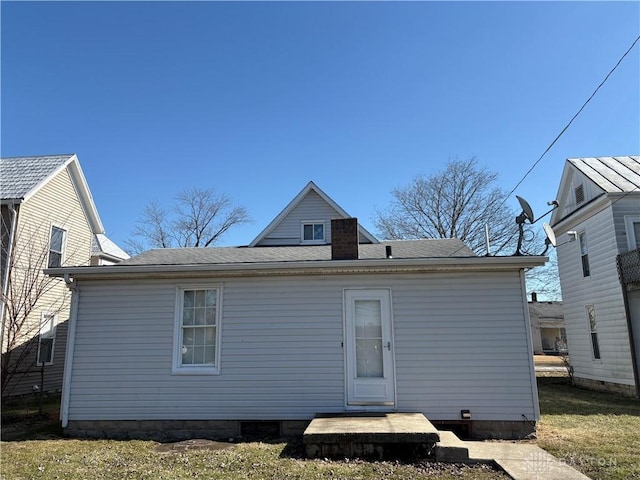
(527, 214)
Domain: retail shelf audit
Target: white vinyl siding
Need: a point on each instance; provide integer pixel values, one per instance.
(460, 343)
(602, 290)
(626, 211)
(312, 207)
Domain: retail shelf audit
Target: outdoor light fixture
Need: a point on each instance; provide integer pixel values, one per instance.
(465, 414)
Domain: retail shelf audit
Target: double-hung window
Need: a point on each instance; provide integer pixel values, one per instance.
(584, 255)
(56, 247)
(313, 232)
(46, 339)
(197, 330)
(595, 346)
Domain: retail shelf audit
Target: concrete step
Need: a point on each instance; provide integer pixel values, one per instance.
(378, 435)
(450, 448)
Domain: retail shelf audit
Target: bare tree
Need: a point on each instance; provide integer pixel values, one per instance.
(199, 218)
(28, 292)
(456, 202)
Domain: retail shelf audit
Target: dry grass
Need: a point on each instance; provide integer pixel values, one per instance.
(103, 459)
(596, 433)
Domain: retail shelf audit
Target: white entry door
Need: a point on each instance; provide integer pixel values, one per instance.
(369, 348)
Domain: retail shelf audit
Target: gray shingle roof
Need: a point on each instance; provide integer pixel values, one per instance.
(20, 175)
(546, 310)
(612, 174)
(431, 248)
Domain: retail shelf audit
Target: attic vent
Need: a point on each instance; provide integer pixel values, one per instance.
(579, 194)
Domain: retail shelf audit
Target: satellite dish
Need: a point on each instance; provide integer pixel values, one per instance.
(526, 209)
(551, 236)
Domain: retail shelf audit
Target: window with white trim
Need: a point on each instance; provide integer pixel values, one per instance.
(46, 339)
(632, 224)
(591, 317)
(56, 247)
(313, 232)
(584, 255)
(197, 331)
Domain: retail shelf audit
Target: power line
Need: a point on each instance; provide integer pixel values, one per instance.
(571, 121)
(565, 129)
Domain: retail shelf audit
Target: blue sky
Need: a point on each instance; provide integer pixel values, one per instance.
(256, 99)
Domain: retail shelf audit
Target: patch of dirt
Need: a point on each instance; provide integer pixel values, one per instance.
(194, 444)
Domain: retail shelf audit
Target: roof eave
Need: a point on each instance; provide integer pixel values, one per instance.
(82, 187)
(312, 267)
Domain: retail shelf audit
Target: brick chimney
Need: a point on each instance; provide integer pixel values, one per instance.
(534, 297)
(344, 239)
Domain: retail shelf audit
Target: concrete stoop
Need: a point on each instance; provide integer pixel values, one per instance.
(411, 435)
(408, 435)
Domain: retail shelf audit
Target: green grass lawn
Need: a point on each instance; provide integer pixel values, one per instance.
(597, 433)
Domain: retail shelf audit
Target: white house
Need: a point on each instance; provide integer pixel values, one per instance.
(315, 316)
(548, 332)
(597, 225)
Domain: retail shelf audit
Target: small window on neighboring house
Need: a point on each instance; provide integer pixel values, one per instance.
(46, 339)
(579, 194)
(595, 347)
(56, 247)
(197, 331)
(584, 254)
(313, 232)
(636, 233)
(632, 224)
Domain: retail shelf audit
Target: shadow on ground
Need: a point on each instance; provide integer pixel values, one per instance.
(559, 397)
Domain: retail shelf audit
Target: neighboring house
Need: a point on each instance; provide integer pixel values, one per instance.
(48, 220)
(597, 226)
(316, 316)
(547, 327)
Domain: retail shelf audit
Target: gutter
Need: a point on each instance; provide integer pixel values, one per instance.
(307, 267)
(5, 282)
(68, 358)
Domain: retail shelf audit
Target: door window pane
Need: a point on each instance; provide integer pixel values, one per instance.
(368, 323)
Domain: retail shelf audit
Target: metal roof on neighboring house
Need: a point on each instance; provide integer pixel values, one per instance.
(401, 249)
(612, 174)
(101, 244)
(20, 175)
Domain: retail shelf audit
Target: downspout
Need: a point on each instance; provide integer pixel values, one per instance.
(627, 312)
(532, 368)
(68, 358)
(632, 343)
(5, 280)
